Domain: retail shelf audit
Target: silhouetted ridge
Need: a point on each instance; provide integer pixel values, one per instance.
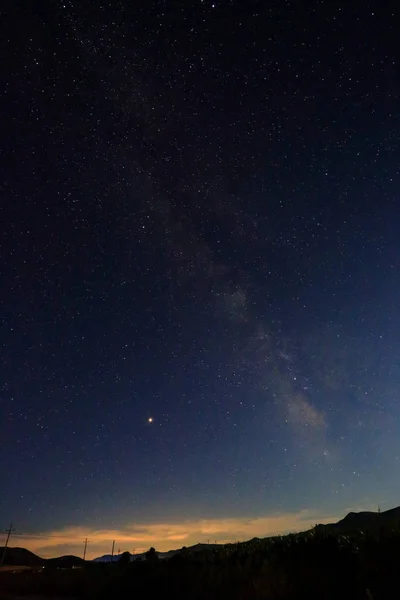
(21, 557)
(366, 520)
(352, 522)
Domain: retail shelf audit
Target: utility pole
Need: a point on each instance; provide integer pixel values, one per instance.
(9, 531)
(84, 552)
(112, 551)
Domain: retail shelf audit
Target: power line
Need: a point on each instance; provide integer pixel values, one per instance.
(8, 532)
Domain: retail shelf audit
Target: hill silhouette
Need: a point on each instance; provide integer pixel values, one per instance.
(65, 562)
(163, 555)
(352, 522)
(366, 521)
(20, 557)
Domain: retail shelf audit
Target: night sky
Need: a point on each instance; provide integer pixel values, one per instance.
(199, 271)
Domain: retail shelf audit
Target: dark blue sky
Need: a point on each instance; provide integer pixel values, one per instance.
(199, 224)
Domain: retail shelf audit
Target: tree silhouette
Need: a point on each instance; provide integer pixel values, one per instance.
(124, 559)
(151, 554)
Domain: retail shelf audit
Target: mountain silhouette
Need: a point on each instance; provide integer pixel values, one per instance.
(352, 522)
(168, 554)
(65, 562)
(366, 521)
(20, 557)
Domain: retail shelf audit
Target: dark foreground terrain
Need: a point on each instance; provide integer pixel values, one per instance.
(319, 564)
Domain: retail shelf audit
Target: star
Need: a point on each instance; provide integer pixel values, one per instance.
(212, 238)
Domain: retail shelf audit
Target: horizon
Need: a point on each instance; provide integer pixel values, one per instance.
(138, 538)
(199, 269)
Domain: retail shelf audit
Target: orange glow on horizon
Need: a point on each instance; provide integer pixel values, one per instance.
(166, 536)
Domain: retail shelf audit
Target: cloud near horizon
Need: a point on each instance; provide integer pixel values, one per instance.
(167, 536)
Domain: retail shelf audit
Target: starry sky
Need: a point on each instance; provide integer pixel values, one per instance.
(199, 269)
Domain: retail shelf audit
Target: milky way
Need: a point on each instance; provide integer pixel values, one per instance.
(199, 259)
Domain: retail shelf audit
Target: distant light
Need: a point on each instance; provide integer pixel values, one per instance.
(150, 420)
